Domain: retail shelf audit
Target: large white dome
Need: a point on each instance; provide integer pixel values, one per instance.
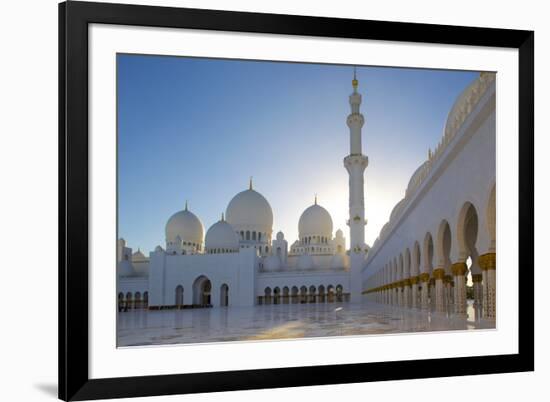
(186, 225)
(315, 221)
(221, 237)
(250, 209)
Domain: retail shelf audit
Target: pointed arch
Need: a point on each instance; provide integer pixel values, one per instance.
(224, 295)
(416, 259)
(443, 244)
(491, 217)
(428, 253)
(178, 296)
(467, 231)
(407, 264)
(202, 288)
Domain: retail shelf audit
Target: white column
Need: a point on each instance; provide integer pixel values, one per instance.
(459, 271)
(400, 295)
(487, 262)
(439, 274)
(414, 292)
(425, 279)
(478, 290)
(407, 294)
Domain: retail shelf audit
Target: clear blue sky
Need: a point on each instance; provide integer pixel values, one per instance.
(196, 129)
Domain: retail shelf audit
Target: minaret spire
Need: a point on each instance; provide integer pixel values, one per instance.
(356, 163)
(355, 119)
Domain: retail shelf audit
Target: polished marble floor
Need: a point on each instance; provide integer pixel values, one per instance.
(283, 321)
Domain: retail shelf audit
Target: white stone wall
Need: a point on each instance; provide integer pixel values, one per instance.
(236, 270)
(463, 172)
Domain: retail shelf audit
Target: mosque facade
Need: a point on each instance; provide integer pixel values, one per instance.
(439, 242)
(238, 262)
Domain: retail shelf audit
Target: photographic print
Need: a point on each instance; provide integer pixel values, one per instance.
(261, 200)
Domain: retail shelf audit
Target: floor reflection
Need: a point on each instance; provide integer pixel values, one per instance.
(283, 321)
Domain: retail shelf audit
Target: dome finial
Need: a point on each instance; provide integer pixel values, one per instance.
(315, 198)
(186, 205)
(250, 183)
(223, 219)
(354, 82)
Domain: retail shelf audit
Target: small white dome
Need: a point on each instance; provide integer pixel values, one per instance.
(138, 256)
(158, 248)
(305, 261)
(125, 268)
(272, 263)
(339, 234)
(186, 225)
(221, 236)
(250, 209)
(338, 261)
(315, 221)
(280, 236)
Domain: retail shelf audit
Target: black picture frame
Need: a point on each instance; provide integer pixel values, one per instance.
(74, 18)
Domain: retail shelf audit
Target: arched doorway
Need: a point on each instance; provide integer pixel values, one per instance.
(339, 293)
(179, 296)
(267, 295)
(294, 294)
(201, 291)
(428, 254)
(330, 293)
(120, 301)
(312, 294)
(224, 295)
(285, 295)
(145, 299)
(276, 295)
(443, 282)
(321, 294)
(129, 301)
(470, 286)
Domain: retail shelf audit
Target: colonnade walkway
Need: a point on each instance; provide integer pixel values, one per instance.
(285, 321)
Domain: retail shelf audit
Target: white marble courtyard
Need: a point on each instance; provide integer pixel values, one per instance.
(284, 321)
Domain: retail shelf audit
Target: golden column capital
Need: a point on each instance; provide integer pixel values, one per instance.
(424, 277)
(459, 269)
(438, 273)
(413, 280)
(477, 278)
(487, 261)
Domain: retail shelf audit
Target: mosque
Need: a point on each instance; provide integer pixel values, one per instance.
(440, 236)
(240, 263)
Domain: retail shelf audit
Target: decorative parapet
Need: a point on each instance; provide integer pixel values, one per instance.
(459, 113)
(456, 118)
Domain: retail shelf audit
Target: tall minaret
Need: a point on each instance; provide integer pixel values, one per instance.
(356, 164)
